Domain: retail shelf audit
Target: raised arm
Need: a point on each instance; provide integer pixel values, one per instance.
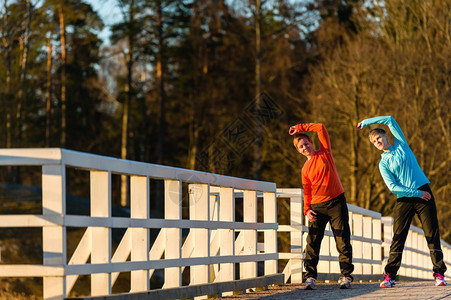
(319, 128)
(390, 122)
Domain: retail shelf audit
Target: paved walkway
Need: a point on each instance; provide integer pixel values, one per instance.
(403, 290)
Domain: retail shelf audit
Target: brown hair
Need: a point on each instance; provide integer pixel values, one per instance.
(299, 136)
(375, 131)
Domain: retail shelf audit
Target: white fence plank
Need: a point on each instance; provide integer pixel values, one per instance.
(199, 210)
(227, 236)
(140, 209)
(249, 269)
(173, 240)
(101, 236)
(54, 237)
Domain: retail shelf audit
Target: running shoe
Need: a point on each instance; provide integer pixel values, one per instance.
(388, 282)
(345, 282)
(439, 279)
(310, 283)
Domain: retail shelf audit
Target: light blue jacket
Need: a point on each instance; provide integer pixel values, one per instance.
(399, 167)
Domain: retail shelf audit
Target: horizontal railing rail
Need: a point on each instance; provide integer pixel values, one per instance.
(213, 248)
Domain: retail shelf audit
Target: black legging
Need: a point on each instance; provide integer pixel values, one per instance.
(404, 210)
(334, 211)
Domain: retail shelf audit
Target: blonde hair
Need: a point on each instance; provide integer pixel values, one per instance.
(375, 131)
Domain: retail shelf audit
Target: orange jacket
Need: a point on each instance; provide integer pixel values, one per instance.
(319, 174)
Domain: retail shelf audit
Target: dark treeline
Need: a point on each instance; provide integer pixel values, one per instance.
(214, 85)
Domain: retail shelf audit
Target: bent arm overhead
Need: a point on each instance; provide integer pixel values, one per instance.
(392, 125)
(320, 129)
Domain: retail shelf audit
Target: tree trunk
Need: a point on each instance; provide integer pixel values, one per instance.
(48, 102)
(258, 60)
(63, 74)
(194, 136)
(23, 72)
(354, 166)
(7, 45)
(161, 91)
(126, 108)
(125, 126)
(354, 180)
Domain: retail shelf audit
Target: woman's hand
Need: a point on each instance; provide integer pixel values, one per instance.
(292, 130)
(359, 126)
(425, 196)
(311, 216)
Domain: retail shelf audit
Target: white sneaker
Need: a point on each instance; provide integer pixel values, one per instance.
(345, 282)
(310, 283)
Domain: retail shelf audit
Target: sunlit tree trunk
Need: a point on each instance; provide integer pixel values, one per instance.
(63, 73)
(23, 72)
(124, 146)
(194, 137)
(354, 118)
(48, 100)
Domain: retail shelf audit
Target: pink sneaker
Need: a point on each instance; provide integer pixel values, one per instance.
(388, 282)
(439, 280)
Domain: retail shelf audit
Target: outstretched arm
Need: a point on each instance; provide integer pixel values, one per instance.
(390, 122)
(319, 128)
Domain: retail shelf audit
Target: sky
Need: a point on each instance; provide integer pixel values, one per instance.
(110, 14)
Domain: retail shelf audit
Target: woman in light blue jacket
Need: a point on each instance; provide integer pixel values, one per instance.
(404, 177)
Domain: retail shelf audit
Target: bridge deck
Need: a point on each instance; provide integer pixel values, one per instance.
(403, 290)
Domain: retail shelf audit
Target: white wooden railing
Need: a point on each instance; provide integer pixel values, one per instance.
(211, 223)
(215, 246)
(371, 237)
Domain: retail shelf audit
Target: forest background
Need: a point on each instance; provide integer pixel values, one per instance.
(214, 85)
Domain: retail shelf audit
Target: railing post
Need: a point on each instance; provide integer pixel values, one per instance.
(367, 247)
(357, 246)
(387, 225)
(249, 269)
(199, 210)
(407, 255)
(270, 236)
(227, 236)
(173, 236)
(139, 209)
(214, 234)
(296, 237)
(415, 260)
(377, 248)
(54, 237)
(427, 258)
(101, 236)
